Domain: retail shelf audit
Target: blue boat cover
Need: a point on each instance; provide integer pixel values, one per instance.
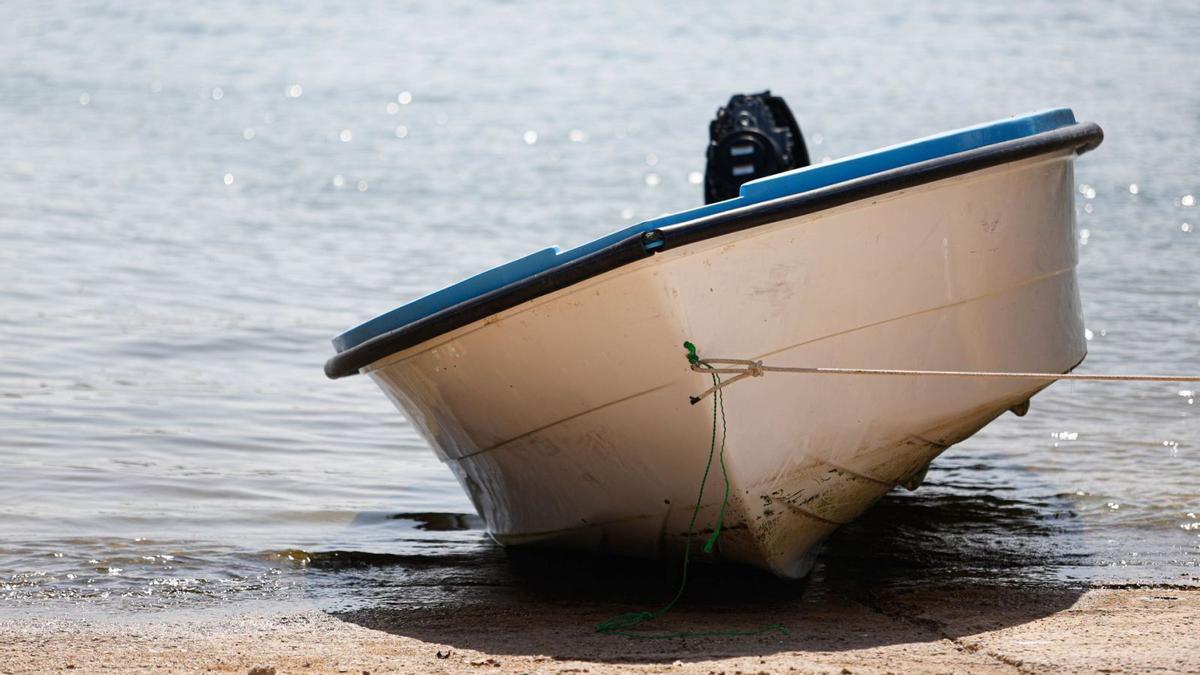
(761, 190)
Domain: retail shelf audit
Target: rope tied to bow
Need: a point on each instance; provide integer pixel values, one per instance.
(624, 624)
(744, 368)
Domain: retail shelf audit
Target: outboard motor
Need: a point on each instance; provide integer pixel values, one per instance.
(754, 135)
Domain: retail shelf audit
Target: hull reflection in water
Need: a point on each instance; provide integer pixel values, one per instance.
(561, 399)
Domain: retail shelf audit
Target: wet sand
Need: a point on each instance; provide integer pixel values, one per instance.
(947, 629)
(879, 600)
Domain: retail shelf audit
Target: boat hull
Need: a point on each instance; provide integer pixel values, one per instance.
(567, 418)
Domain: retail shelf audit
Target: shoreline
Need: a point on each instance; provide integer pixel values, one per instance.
(976, 628)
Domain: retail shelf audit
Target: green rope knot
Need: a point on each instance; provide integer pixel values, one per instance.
(692, 356)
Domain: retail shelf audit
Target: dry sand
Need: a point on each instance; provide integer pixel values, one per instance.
(947, 629)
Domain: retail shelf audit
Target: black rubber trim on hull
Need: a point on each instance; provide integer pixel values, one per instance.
(619, 254)
(1079, 137)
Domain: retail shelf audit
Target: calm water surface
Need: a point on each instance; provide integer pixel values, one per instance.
(195, 198)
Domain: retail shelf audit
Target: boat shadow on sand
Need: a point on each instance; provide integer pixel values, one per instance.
(938, 564)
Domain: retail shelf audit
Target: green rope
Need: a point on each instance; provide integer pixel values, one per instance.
(623, 624)
(718, 404)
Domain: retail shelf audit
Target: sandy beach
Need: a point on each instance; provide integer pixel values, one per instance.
(968, 629)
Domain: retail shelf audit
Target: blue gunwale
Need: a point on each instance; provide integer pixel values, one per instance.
(754, 192)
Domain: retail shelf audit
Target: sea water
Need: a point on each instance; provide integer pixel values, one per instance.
(195, 197)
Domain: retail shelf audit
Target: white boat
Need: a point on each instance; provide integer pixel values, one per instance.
(557, 391)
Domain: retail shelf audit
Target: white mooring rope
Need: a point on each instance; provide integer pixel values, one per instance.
(749, 368)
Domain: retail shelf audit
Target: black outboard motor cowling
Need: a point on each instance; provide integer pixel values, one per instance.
(754, 135)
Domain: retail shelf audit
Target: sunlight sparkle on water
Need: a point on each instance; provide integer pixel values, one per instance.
(530, 137)
(228, 539)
